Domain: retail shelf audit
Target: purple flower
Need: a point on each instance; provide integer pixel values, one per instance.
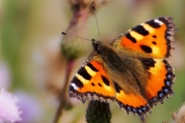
(9, 112)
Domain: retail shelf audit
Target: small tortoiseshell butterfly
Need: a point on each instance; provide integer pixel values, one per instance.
(133, 71)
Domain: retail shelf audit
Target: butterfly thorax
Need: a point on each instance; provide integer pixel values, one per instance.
(107, 54)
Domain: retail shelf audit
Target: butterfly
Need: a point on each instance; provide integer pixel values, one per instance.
(133, 71)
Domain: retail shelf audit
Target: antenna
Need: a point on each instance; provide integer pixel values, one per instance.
(92, 40)
(94, 11)
(64, 33)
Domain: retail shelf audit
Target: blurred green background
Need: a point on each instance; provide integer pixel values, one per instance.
(30, 40)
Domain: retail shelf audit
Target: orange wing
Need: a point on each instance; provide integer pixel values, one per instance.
(132, 103)
(153, 38)
(159, 86)
(92, 83)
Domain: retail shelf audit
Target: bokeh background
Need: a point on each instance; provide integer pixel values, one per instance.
(33, 68)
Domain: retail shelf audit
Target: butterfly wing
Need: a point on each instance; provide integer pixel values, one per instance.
(132, 103)
(91, 82)
(157, 87)
(159, 84)
(153, 38)
(151, 41)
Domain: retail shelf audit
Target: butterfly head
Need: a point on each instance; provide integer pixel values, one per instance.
(97, 45)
